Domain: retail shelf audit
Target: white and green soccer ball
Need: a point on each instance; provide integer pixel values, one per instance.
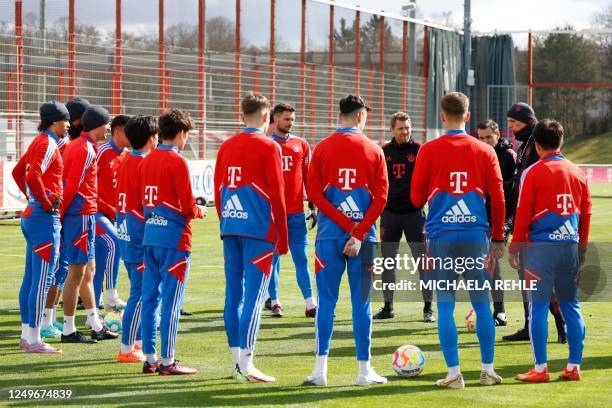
(113, 321)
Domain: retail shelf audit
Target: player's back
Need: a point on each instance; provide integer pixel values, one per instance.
(80, 167)
(130, 218)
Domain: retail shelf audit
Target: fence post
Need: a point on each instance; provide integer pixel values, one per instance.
(19, 78)
(201, 79)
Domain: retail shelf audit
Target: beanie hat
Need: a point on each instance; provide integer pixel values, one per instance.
(522, 112)
(53, 111)
(95, 116)
(77, 107)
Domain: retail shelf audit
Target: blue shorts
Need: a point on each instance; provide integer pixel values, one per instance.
(79, 233)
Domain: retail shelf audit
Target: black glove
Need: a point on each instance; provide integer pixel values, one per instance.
(312, 215)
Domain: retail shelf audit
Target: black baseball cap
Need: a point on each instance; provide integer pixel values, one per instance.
(351, 103)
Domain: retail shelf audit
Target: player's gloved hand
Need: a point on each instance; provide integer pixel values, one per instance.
(352, 247)
(498, 248)
(312, 216)
(513, 259)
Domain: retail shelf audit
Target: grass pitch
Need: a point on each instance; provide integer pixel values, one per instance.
(285, 349)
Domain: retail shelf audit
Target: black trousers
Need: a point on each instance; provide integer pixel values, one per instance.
(392, 227)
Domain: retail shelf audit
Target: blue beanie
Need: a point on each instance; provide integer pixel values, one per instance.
(53, 111)
(95, 116)
(77, 107)
(523, 113)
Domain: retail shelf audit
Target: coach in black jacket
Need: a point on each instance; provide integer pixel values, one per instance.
(400, 216)
(522, 121)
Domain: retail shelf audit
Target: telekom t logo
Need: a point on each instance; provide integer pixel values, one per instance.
(233, 175)
(399, 169)
(564, 203)
(122, 202)
(287, 162)
(458, 179)
(346, 177)
(150, 195)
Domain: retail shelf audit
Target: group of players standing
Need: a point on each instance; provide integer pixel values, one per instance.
(259, 184)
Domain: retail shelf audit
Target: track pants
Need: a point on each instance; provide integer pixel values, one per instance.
(330, 264)
(133, 309)
(107, 255)
(554, 266)
(42, 234)
(298, 243)
(457, 245)
(248, 265)
(165, 276)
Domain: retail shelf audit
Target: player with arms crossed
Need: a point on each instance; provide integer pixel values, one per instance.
(295, 158)
(141, 132)
(453, 174)
(253, 221)
(551, 232)
(347, 181)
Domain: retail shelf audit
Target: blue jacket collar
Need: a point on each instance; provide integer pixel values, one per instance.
(53, 135)
(455, 132)
(168, 147)
(252, 130)
(137, 153)
(114, 146)
(280, 138)
(348, 130)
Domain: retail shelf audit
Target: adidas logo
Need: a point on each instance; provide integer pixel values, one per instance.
(155, 219)
(122, 232)
(233, 209)
(350, 208)
(458, 214)
(564, 232)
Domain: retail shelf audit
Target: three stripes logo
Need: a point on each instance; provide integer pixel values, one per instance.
(350, 208)
(122, 232)
(564, 233)
(458, 214)
(233, 209)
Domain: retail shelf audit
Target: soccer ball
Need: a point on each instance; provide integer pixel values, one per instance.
(408, 361)
(113, 321)
(470, 321)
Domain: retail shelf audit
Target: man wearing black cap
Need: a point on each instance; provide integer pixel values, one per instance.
(521, 122)
(347, 181)
(76, 107)
(78, 213)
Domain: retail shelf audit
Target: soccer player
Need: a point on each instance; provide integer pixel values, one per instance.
(78, 222)
(107, 242)
(251, 207)
(488, 132)
(453, 174)
(553, 215)
(347, 181)
(169, 206)
(522, 121)
(295, 155)
(141, 132)
(400, 216)
(39, 176)
(51, 328)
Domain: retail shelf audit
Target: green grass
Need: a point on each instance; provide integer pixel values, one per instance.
(589, 150)
(285, 349)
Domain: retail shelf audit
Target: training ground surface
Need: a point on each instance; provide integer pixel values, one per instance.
(285, 349)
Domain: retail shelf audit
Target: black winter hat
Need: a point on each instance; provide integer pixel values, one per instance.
(53, 111)
(522, 112)
(95, 116)
(77, 107)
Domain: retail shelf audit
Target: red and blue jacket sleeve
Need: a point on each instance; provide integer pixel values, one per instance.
(73, 174)
(379, 191)
(182, 183)
(19, 174)
(106, 180)
(584, 225)
(419, 187)
(39, 158)
(494, 186)
(276, 188)
(524, 213)
(218, 180)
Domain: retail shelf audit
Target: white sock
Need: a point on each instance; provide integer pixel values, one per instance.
(488, 368)
(167, 361)
(246, 359)
(501, 316)
(151, 358)
(53, 315)
(93, 319)
(235, 355)
(541, 367)
(34, 336)
(69, 326)
(126, 349)
(111, 295)
(571, 366)
(275, 302)
(310, 303)
(47, 317)
(453, 371)
(25, 331)
(321, 365)
(365, 367)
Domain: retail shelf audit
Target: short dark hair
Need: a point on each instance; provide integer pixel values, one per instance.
(173, 121)
(119, 120)
(489, 124)
(401, 116)
(282, 108)
(139, 129)
(548, 133)
(253, 103)
(455, 105)
(44, 126)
